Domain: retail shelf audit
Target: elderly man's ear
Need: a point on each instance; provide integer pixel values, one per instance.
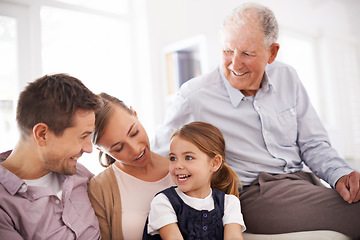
(274, 48)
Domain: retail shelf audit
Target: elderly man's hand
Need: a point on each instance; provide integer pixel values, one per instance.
(349, 187)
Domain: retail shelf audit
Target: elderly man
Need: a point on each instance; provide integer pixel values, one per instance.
(271, 129)
(43, 189)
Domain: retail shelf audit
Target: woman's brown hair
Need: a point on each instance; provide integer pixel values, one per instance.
(101, 119)
(210, 140)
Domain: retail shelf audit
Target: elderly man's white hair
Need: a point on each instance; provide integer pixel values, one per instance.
(244, 13)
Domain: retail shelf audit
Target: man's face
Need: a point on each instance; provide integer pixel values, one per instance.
(62, 152)
(245, 56)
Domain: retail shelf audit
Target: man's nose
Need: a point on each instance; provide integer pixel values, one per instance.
(88, 147)
(237, 61)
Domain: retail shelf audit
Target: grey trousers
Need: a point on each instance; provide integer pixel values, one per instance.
(296, 202)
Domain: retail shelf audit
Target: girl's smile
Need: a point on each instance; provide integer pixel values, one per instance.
(190, 168)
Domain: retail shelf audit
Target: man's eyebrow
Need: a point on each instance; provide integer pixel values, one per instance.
(86, 133)
(250, 51)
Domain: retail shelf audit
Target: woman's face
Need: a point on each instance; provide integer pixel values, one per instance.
(125, 139)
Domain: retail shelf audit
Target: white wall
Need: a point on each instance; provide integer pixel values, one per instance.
(329, 22)
(173, 20)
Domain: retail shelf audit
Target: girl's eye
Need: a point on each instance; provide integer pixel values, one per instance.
(135, 133)
(172, 159)
(189, 158)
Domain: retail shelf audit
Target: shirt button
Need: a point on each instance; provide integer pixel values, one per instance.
(57, 201)
(204, 215)
(204, 228)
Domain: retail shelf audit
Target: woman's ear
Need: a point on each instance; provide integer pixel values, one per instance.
(131, 108)
(40, 133)
(216, 163)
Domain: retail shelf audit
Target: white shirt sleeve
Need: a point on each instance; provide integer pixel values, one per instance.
(161, 214)
(232, 211)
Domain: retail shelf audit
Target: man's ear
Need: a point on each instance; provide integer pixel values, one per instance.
(216, 163)
(40, 133)
(274, 48)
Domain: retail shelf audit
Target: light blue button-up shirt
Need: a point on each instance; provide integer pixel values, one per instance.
(275, 131)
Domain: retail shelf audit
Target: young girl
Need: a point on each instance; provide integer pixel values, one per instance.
(196, 209)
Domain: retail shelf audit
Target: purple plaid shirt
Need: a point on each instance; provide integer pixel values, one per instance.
(29, 212)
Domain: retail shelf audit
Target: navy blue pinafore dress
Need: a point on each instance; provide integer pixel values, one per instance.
(195, 224)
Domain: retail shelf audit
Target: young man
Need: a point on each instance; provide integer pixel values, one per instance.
(43, 190)
(271, 129)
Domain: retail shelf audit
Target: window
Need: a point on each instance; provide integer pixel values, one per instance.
(88, 39)
(95, 49)
(8, 80)
(184, 59)
(299, 52)
(328, 69)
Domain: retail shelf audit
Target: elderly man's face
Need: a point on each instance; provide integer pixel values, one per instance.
(245, 56)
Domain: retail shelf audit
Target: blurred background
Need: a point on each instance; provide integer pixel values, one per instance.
(141, 51)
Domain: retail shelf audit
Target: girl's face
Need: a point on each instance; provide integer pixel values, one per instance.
(190, 168)
(125, 139)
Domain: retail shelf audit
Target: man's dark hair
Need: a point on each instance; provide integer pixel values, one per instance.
(53, 100)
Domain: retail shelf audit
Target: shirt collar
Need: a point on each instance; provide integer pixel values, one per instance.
(13, 183)
(236, 96)
(267, 83)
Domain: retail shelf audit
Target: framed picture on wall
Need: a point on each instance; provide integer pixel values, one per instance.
(184, 60)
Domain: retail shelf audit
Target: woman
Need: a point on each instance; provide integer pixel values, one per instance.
(122, 193)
